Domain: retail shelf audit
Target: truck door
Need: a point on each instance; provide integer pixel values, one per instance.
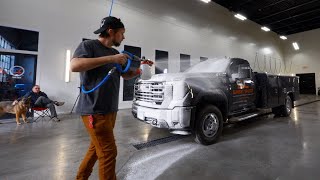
(242, 88)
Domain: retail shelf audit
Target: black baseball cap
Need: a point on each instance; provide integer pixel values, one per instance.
(109, 22)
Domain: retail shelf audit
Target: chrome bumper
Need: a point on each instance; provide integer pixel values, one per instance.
(176, 118)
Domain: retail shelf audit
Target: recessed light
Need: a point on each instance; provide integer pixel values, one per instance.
(241, 17)
(296, 46)
(206, 1)
(283, 37)
(265, 28)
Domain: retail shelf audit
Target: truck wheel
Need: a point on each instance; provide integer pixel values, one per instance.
(277, 111)
(287, 108)
(209, 125)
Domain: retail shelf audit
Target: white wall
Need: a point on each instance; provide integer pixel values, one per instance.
(307, 59)
(181, 26)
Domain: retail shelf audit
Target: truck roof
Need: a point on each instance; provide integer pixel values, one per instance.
(215, 65)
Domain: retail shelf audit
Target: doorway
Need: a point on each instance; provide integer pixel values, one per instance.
(307, 83)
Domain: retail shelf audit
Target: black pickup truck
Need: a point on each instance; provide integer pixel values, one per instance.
(210, 94)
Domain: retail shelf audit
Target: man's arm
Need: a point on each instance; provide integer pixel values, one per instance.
(25, 96)
(19, 99)
(85, 64)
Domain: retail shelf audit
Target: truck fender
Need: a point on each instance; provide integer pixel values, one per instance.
(216, 97)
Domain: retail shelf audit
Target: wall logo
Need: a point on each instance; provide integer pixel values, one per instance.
(17, 71)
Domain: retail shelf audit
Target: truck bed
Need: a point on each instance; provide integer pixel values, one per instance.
(272, 89)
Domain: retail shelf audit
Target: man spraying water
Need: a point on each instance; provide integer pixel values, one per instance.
(98, 109)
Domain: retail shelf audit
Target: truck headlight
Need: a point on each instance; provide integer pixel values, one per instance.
(180, 90)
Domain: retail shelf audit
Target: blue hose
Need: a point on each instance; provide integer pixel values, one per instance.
(105, 79)
(100, 84)
(111, 8)
(117, 66)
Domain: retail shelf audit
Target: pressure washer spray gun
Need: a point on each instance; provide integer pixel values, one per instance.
(145, 69)
(133, 64)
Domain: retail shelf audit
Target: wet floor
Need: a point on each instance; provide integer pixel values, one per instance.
(261, 148)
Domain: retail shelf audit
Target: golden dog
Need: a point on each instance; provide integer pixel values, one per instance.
(19, 109)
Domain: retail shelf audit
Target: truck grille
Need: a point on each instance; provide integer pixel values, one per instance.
(149, 92)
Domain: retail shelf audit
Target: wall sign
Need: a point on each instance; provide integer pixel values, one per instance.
(17, 72)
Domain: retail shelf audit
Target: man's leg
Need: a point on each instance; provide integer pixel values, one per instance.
(46, 102)
(42, 101)
(103, 139)
(87, 163)
(52, 109)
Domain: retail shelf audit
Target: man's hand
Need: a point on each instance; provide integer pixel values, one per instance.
(121, 58)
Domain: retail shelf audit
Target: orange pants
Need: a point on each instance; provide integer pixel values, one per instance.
(102, 147)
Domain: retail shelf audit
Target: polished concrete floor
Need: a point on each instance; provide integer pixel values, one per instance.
(261, 148)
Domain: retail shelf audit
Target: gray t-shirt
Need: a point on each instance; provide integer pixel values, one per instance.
(105, 99)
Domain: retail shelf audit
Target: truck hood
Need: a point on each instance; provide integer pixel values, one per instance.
(181, 76)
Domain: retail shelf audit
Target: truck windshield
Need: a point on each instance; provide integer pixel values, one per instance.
(215, 65)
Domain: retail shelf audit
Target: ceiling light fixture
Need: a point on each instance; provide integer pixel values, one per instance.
(296, 46)
(206, 1)
(265, 28)
(241, 17)
(283, 37)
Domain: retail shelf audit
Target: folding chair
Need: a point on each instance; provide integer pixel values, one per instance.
(42, 112)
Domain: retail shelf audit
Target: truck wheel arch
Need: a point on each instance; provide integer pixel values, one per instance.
(216, 98)
(291, 95)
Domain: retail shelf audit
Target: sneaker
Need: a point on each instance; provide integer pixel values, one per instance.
(58, 103)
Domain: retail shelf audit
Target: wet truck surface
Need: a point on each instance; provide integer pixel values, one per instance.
(210, 94)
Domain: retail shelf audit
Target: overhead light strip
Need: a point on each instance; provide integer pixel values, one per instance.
(241, 17)
(296, 46)
(283, 37)
(206, 1)
(265, 28)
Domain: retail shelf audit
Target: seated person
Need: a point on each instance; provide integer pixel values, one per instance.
(40, 99)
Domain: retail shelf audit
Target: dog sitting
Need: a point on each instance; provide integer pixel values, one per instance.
(19, 109)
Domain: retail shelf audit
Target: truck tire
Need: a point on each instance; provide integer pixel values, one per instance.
(287, 108)
(284, 110)
(209, 125)
(276, 111)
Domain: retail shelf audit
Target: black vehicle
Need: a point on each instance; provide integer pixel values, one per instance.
(210, 94)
